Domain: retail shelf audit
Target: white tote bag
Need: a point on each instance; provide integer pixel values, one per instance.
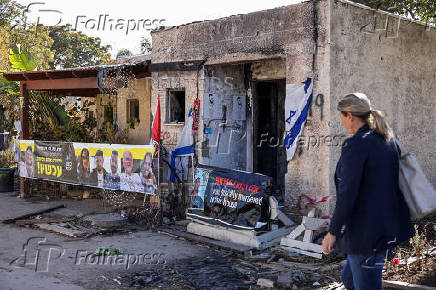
(418, 192)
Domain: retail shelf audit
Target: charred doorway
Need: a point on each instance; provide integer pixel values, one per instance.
(269, 155)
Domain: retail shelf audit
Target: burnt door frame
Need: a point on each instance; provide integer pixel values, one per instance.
(277, 95)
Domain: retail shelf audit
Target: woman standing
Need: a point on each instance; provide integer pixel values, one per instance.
(371, 216)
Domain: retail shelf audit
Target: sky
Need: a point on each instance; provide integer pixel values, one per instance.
(122, 24)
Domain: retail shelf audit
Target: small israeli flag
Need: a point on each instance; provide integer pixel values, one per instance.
(297, 104)
(185, 147)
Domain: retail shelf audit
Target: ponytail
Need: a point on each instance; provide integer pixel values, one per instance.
(379, 124)
(359, 106)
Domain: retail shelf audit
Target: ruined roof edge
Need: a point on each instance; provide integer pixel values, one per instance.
(166, 28)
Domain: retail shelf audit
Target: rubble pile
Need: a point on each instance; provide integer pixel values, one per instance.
(228, 270)
(146, 215)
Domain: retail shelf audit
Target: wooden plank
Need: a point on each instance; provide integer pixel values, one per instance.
(284, 219)
(405, 285)
(315, 224)
(272, 238)
(82, 228)
(296, 232)
(301, 245)
(307, 253)
(61, 230)
(27, 215)
(200, 239)
(308, 234)
(43, 221)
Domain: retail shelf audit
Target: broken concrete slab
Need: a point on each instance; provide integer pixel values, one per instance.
(204, 240)
(106, 220)
(243, 237)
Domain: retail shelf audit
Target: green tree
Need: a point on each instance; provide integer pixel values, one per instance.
(145, 45)
(10, 12)
(13, 29)
(75, 49)
(123, 52)
(423, 10)
(36, 40)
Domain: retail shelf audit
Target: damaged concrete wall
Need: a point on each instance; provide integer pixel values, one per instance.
(392, 61)
(309, 170)
(285, 33)
(254, 35)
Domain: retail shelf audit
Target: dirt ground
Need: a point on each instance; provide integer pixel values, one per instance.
(73, 270)
(32, 258)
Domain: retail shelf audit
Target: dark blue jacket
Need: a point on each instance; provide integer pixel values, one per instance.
(371, 214)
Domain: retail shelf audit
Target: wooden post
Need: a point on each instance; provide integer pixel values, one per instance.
(24, 134)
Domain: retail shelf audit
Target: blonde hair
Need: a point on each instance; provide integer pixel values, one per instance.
(359, 106)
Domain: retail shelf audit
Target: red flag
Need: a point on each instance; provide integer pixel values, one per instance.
(195, 115)
(156, 127)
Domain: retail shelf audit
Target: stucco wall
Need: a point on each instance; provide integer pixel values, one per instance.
(139, 89)
(395, 66)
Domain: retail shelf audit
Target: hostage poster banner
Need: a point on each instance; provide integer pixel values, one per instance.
(231, 198)
(110, 166)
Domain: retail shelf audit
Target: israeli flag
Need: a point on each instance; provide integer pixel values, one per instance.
(185, 147)
(297, 104)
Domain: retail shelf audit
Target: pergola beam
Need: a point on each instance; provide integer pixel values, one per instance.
(59, 84)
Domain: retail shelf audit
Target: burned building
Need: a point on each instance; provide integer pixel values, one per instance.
(240, 68)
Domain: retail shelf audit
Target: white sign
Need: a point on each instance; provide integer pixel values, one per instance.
(239, 108)
(212, 106)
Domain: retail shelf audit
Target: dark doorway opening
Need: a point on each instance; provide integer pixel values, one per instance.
(269, 155)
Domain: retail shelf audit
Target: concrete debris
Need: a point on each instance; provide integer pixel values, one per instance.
(284, 280)
(118, 281)
(265, 283)
(106, 220)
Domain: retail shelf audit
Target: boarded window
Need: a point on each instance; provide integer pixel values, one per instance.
(133, 111)
(175, 106)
